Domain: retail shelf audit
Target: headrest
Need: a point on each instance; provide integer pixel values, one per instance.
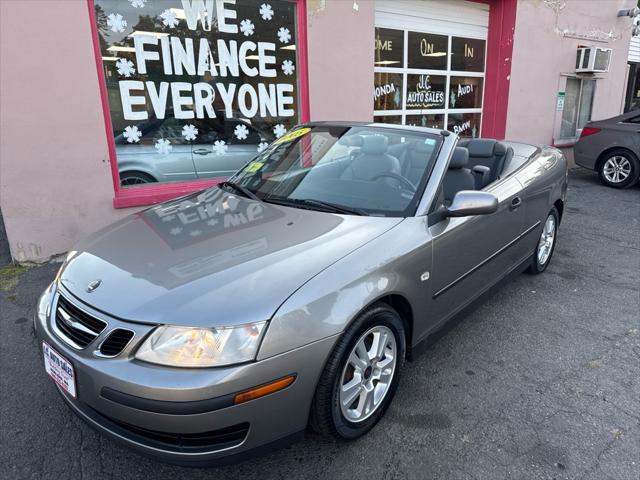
(500, 148)
(374, 144)
(421, 147)
(351, 140)
(459, 159)
(481, 147)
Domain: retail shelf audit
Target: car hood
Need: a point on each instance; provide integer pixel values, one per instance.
(211, 258)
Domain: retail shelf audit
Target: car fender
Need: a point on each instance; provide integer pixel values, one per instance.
(127, 165)
(391, 264)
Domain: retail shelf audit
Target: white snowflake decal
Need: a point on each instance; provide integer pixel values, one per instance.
(125, 67)
(116, 22)
(169, 18)
(288, 67)
(279, 130)
(284, 35)
(175, 230)
(247, 27)
(137, 3)
(266, 11)
(189, 132)
(241, 132)
(195, 233)
(132, 134)
(220, 147)
(262, 146)
(163, 146)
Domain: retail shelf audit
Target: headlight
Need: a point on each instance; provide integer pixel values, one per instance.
(44, 303)
(201, 347)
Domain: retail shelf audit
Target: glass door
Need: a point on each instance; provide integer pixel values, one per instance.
(578, 102)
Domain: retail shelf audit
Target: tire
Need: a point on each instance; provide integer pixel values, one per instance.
(620, 168)
(544, 251)
(327, 416)
(135, 178)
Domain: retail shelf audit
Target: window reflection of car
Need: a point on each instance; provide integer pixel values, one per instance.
(141, 162)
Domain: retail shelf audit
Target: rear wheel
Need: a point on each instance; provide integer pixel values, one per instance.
(619, 169)
(361, 375)
(135, 178)
(546, 244)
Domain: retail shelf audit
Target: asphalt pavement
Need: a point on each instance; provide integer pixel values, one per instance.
(542, 381)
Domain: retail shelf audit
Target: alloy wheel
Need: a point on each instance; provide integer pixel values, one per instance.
(368, 374)
(545, 245)
(133, 179)
(616, 169)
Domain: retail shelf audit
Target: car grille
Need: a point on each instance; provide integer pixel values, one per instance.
(180, 442)
(115, 342)
(76, 327)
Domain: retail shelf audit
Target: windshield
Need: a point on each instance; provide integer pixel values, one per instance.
(361, 170)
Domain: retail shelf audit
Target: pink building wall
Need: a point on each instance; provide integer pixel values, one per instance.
(340, 40)
(540, 53)
(55, 178)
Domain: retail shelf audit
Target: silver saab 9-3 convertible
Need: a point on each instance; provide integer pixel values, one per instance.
(228, 321)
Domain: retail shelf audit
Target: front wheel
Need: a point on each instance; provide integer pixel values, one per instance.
(546, 244)
(361, 375)
(620, 169)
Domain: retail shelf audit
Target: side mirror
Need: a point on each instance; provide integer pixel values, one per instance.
(471, 202)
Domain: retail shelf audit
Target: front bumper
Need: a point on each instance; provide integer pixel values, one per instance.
(183, 415)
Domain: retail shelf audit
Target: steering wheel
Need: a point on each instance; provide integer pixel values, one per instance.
(410, 186)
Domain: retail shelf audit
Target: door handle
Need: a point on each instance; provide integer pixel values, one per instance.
(515, 203)
(201, 151)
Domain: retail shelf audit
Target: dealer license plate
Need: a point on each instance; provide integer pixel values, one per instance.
(60, 369)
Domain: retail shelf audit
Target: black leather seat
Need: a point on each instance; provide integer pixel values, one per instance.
(489, 153)
(458, 176)
(372, 160)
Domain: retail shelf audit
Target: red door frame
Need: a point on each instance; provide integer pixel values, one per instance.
(151, 194)
(502, 25)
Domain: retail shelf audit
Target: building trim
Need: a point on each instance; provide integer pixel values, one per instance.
(502, 24)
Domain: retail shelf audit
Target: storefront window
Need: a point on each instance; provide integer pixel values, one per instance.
(426, 91)
(427, 79)
(387, 93)
(427, 51)
(394, 119)
(196, 88)
(389, 47)
(467, 54)
(576, 111)
(465, 92)
(464, 124)
(426, 120)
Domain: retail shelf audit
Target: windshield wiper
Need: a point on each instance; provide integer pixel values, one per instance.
(318, 204)
(239, 188)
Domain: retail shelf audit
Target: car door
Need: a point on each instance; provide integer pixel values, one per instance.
(213, 161)
(627, 133)
(472, 253)
(172, 163)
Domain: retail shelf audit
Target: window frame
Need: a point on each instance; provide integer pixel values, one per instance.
(156, 193)
(565, 141)
(404, 71)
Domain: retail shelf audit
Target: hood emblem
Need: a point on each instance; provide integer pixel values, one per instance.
(93, 285)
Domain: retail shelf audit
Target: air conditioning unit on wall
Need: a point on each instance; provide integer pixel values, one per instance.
(593, 60)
